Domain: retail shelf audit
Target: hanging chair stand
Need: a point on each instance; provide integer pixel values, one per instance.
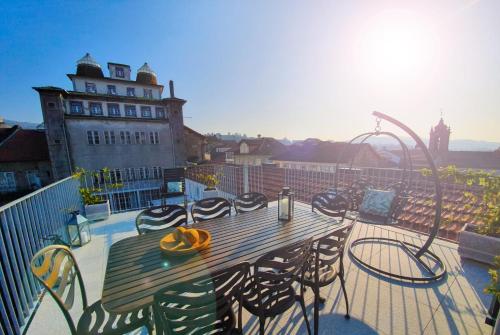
(416, 253)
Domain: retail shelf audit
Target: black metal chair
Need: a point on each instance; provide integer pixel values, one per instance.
(248, 202)
(270, 290)
(325, 265)
(210, 208)
(329, 204)
(174, 185)
(56, 269)
(160, 217)
(203, 305)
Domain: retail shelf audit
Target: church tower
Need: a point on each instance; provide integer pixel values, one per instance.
(439, 139)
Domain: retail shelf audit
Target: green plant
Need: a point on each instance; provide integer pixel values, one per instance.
(487, 197)
(494, 287)
(90, 195)
(210, 180)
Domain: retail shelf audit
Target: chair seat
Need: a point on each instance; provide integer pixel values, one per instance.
(327, 274)
(274, 302)
(95, 320)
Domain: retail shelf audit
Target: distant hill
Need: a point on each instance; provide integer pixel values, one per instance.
(455, 145)
(25, 125)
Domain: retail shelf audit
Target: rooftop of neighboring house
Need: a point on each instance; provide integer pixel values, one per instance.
(324, 152)
(260, 146)
(22, 145)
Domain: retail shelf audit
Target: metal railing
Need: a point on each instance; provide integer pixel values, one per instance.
(23, 225)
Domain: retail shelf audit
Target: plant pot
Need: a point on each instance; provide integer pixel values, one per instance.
(210, 193)
(478, 247)
(100, 211)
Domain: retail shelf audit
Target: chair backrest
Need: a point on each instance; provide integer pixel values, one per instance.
(210, 208)
(56, 269)
(278, 269)
(160, 217)
(203, 304)
(330, 204)
(248, 202)
(330, 248)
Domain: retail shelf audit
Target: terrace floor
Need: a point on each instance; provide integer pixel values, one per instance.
(454, 305)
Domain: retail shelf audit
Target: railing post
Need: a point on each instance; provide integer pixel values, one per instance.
(245, 179)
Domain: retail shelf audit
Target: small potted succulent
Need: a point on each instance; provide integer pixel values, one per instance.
(480, 241)
(210, 181)
(96, 204)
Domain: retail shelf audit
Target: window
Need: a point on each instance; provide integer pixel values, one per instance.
(160, 112)
(146, 111)
(119, 72)
(154, 137)
(109, 137)
(7, 181)
(76, 107)
(93, 137)
(33, 179)
(125, 137)
(143, 137)
(113, 110)
(148, 93)
(130, 111)
(137, 137)
(130, 92)
(112, 89)
(90, 88)
(95, 108)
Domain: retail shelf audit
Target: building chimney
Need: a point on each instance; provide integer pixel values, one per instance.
(171, 85)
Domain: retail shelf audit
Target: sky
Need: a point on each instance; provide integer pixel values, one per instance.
(294, 69)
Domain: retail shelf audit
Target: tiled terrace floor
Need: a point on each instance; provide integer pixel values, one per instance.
(454, 305)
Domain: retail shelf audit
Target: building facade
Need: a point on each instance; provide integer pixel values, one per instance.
(24, 161)
(112, 121)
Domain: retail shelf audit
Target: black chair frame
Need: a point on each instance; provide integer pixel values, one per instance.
(248, 202)
(160, 217)
(210, 208)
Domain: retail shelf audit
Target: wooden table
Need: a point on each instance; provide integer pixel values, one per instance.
(137, 268)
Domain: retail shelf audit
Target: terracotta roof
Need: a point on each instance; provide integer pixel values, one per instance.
(323, 152)
(194, 132)
(262, 146)
(24, 145)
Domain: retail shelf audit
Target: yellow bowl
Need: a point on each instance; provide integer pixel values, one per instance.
(170, 245)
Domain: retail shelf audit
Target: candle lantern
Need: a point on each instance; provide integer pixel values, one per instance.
(78, 230)
(285, 204)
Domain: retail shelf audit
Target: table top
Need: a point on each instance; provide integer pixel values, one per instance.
(137, 268)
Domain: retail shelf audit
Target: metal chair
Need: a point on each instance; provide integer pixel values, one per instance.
(325, 265)
(56, 269)
(210, 208)
(248, 202)
(329, 204)
(202, 305)
(270, 290)
(160, 217)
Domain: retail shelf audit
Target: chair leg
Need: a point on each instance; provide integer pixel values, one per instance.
(342, 283)
(262, 322)
(316, 311)
(303, 306)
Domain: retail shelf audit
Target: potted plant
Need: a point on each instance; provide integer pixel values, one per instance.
(210, 181)
(96, 204)
(479, 242)
(494, 289)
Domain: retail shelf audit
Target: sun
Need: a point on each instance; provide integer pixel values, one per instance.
(397, 44)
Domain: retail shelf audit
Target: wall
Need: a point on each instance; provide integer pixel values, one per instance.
(195, 146)
(104, 104)
(121, 88)
(251, 159)
(20, 168)
(93, 157)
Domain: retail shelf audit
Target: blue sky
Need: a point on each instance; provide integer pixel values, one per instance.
(276, 68)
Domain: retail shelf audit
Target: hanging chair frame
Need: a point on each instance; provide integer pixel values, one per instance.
(407, 174)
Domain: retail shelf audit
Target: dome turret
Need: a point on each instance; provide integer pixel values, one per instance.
(145, 75)
(88, 67)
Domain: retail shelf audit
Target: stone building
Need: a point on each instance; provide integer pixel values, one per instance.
(112, 121)
(254, 151)
(196, 145)
(24, 160)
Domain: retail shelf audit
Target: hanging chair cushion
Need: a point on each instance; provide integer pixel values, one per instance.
(377, 202)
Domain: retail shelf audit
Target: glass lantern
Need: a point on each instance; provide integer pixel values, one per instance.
(285, 204)
(78, 230)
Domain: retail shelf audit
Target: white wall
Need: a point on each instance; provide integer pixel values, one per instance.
(121, 89)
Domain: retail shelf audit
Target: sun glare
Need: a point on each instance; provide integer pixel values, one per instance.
(396, 44)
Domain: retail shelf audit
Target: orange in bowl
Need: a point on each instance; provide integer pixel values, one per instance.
(184, 241)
